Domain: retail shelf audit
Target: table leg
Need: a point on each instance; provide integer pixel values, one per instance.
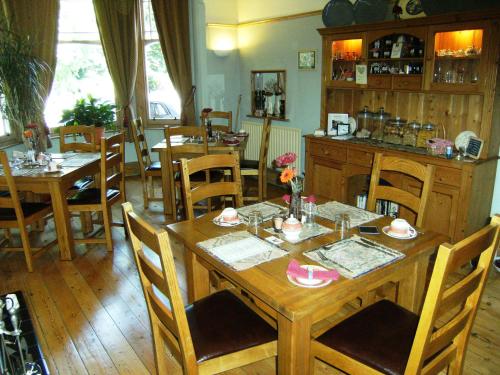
(198, 282)
(412, 288)
(294, 346)
(165, 183)
(62, 222)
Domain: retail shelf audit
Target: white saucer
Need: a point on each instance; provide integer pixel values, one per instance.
(352, 124)
(309, 283)
(221, 223)
(412, 234)
(51, 170)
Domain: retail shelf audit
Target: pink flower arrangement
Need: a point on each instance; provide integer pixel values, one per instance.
(286, 159)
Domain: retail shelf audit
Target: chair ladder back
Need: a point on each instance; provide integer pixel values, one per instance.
(140, 145)
(168, 318)
(209, 190)
(13, 201)
(221, 115)
(415, 203)
(77, 130)
(449, 311)
(112, 164)
(264, 143)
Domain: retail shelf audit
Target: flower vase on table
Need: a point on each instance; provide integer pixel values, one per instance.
(289, 176)
(295, 207)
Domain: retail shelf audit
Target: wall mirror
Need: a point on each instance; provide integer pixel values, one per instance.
(269, 94)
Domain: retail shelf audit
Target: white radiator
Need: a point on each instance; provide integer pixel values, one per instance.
(283, 139)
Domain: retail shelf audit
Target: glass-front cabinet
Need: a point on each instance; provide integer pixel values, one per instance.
(458, 58)
(346, 55)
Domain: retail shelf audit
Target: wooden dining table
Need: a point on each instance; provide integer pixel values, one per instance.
(57, 183)
(213, 148)
(296, 310)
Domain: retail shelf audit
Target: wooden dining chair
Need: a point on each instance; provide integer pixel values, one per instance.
(177, 150)
(385, 338)
(17, 214)
(224, 116)
(258, 167)
(111, 189)
(149, 170)
(212, 335)
(423, 173)
(193, 194)
(74, 134)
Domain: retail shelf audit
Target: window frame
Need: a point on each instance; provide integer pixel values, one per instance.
(141, 87)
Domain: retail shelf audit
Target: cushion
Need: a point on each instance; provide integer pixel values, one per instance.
(155, 166)
(221, 324)
(91, 196)
(380, 336)
(4, 193)
(82, 183)
(28, 210)
(249, 164)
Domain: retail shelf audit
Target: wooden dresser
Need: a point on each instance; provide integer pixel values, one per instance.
(434, 79)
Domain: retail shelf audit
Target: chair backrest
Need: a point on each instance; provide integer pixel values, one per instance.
(71, 133)
(176, 150)
(112, 164)
(409, 167)
(140, 144)
(215, 189)
(12, 199)
(227, 116)
(450, 306)
(264, 143)
(159, 280)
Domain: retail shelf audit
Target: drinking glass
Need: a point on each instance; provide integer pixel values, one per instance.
(278, 222)
(342, 225)
(254, 220)
(309, 211)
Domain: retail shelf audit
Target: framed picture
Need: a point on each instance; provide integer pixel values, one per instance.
(307, 60)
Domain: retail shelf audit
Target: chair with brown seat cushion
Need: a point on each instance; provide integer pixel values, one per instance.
(148, 169)
(214, 334)
(226, 117)
(385, 338)
(193, 194)
(111, 189)
(416, 203)
(15, 214)
(196, 146)
(259, 167)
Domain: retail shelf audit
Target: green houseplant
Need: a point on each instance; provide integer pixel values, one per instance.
(91, 111)
(21, 91)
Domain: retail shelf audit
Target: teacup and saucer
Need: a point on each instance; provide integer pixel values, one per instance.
(401, 229)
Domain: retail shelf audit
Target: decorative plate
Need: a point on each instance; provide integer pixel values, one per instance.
(338, 13)
(463, 139)
(409, 236)
(352, 125)
(368, 11)
(309, 283)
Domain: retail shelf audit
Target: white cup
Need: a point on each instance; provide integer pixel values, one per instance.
(229, 215)
(401, 227)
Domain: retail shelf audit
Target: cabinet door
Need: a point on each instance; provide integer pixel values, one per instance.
(457, 56)
(326, 179)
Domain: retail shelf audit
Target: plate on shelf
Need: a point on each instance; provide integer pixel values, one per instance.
(309, 283)
(352, 124)
(409, 236)
(463, 139)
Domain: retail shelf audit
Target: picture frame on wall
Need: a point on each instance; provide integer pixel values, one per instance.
(307, 60)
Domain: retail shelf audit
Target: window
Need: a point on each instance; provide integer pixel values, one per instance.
(161, 101)
(81, 67)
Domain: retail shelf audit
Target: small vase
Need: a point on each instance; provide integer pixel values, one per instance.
(295, 208)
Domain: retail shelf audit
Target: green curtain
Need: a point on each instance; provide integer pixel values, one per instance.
(37, 20)
(172, 22)
(118, 22)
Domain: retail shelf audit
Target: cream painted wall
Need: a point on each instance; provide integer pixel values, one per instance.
(222, 11)
(250, 10)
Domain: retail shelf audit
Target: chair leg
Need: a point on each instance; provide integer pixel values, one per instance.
(159, 348)
(145, 194)
(107, 219)
(86, 222)
(26, 247)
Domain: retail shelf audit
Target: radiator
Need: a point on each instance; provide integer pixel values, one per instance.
(283, 139)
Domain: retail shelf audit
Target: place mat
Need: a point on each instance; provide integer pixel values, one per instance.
(354, 256)
(357, 216)
(307, 232)
(241, 250)
(66, 155)
(25, 171)
(266, 209)
(82, 159)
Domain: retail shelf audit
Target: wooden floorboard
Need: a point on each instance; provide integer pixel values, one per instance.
(91, 317)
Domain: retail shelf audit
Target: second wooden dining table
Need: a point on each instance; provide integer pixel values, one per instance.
(296, 310)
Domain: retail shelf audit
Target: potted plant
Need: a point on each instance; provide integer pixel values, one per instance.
(91, 111)
(21, 90)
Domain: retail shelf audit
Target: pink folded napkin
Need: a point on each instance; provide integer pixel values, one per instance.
(295, 270)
